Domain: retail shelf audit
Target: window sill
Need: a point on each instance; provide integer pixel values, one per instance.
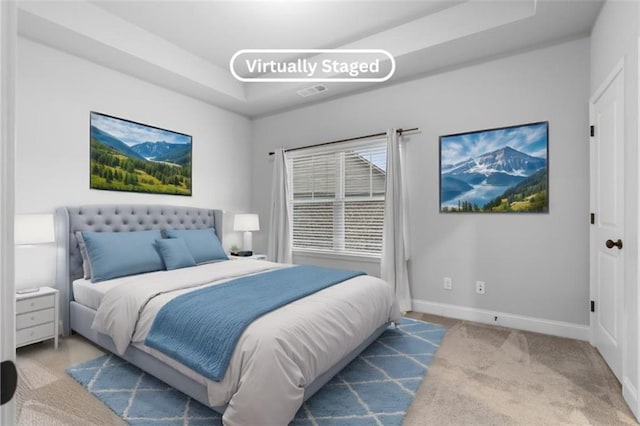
(340, 256)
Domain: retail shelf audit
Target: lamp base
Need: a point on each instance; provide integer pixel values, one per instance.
(246, 243)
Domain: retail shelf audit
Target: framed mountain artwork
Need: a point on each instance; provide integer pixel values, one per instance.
(135, 157)
(501, 170)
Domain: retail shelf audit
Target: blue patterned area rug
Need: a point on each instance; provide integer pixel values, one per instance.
(374, 389)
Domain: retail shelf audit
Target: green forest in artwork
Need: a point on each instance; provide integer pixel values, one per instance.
(127, 156)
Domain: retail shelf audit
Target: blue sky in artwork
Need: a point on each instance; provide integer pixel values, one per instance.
(530, 139)
(133, 134)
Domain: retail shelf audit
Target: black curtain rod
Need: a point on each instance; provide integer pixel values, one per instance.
(399, 131)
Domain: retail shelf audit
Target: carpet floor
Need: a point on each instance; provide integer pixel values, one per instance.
(489, 375)
(481, 375)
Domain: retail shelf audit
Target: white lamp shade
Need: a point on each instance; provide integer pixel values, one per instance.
(34, 229)
(246, 222)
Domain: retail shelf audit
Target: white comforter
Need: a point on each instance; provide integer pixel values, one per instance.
(278, 355)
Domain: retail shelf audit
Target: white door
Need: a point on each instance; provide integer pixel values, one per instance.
(607, 231)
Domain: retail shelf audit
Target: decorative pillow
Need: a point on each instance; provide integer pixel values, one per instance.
(203, 244)
(86, 264)
(118, 254)
(175, 253)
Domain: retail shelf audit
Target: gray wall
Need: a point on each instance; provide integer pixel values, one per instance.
(56, 91)
(533, 265)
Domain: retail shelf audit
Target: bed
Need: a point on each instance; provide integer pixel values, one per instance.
(281, 359)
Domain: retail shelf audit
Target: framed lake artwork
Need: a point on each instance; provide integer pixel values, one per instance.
(503, 170)
(136, 157)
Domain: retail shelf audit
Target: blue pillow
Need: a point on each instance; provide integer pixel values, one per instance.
(203, 244)
(118, 254)
(175, 253)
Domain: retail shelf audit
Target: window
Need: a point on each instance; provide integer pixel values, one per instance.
(338, 197)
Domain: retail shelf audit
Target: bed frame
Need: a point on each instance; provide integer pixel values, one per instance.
(128, 218)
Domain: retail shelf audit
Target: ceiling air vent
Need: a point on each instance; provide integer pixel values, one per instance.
(313, 90)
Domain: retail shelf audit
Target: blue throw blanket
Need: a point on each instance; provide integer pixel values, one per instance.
(200, 329)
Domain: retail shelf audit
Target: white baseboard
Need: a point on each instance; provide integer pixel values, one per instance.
(630, 395)
(520, 322)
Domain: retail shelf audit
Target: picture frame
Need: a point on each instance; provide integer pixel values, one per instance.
(134, 157)
(499, 170)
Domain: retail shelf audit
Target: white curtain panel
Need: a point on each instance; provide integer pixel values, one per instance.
(395, 252)
(280, 235)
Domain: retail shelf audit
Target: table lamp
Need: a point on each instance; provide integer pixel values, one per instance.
(246, 223)
(32, 231)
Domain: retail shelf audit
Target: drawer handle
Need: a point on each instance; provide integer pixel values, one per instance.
(31, 334)
(33, 304)
(33, 318)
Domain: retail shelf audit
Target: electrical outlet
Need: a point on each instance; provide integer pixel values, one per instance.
(447, 283)
(480, 287)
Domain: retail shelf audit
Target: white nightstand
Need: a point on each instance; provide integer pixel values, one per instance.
(255, 256)
(37, 317)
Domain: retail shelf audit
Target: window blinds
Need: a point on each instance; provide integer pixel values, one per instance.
(338, 197)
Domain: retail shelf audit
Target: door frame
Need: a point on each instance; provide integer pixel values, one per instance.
(8, 42)
(629, 392)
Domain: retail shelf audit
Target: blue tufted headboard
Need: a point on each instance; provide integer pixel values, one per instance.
(116, 218)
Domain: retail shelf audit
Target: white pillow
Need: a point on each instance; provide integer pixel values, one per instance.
(86, 263)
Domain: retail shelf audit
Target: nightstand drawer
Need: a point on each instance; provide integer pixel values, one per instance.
(34, 304)
(30, 319)
(36, 333)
